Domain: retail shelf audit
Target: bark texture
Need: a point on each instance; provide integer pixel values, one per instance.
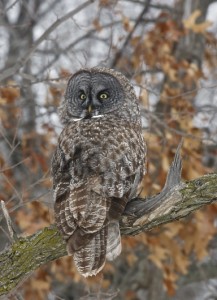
(176, 200)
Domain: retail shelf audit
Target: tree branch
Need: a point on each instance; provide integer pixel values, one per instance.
(22, 61)
(176, 200)
(128, 38)
(176, 204)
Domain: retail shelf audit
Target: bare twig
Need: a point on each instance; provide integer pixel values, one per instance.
(21, 62)
(120, 52)
(12, 232)
(12, 187)
(9, 7)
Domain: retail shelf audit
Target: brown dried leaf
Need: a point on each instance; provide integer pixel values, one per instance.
(10, 94)
(97, 24)
(190, 23)
(144, 98)
(126, 23)
(107, 3)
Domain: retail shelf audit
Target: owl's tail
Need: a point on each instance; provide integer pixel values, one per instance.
(113, 241)
(106, 243)
(90, 259)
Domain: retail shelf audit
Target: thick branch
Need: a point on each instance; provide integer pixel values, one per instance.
(176, 201)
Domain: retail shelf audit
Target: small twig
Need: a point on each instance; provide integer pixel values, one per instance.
(20, 63)
(13, 166)
(13, 187)
(11, 6)
(12, 232)
(181, 133)
(119, 53)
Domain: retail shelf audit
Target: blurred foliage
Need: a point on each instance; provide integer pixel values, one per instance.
(172, 247)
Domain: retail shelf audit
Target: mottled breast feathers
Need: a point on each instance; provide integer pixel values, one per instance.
(97, 165)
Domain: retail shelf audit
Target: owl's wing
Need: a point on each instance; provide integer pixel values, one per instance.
(120, 184)
(61, 187)
(80, 215)
(79, 211)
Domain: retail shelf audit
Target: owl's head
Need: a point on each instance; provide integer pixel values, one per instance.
(94, 92)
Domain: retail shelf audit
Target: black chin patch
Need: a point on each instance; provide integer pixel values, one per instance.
(88, 116)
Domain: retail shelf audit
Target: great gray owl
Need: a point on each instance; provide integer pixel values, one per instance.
(97, 165)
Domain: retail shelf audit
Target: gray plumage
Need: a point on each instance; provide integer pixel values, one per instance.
(97, 165)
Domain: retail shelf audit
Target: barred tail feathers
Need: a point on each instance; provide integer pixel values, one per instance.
(90, 259)
(113, 241)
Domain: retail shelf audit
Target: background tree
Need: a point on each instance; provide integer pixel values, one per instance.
(168, 50)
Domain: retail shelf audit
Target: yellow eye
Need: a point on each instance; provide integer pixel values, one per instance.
(83, 96)
(103, 96)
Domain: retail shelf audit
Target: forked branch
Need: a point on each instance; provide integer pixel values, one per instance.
(176, 200)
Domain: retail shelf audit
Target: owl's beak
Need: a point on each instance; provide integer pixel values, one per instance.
(89, 109)
(87, 113)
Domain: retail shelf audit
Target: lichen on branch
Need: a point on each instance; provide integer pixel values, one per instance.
(176, 200)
